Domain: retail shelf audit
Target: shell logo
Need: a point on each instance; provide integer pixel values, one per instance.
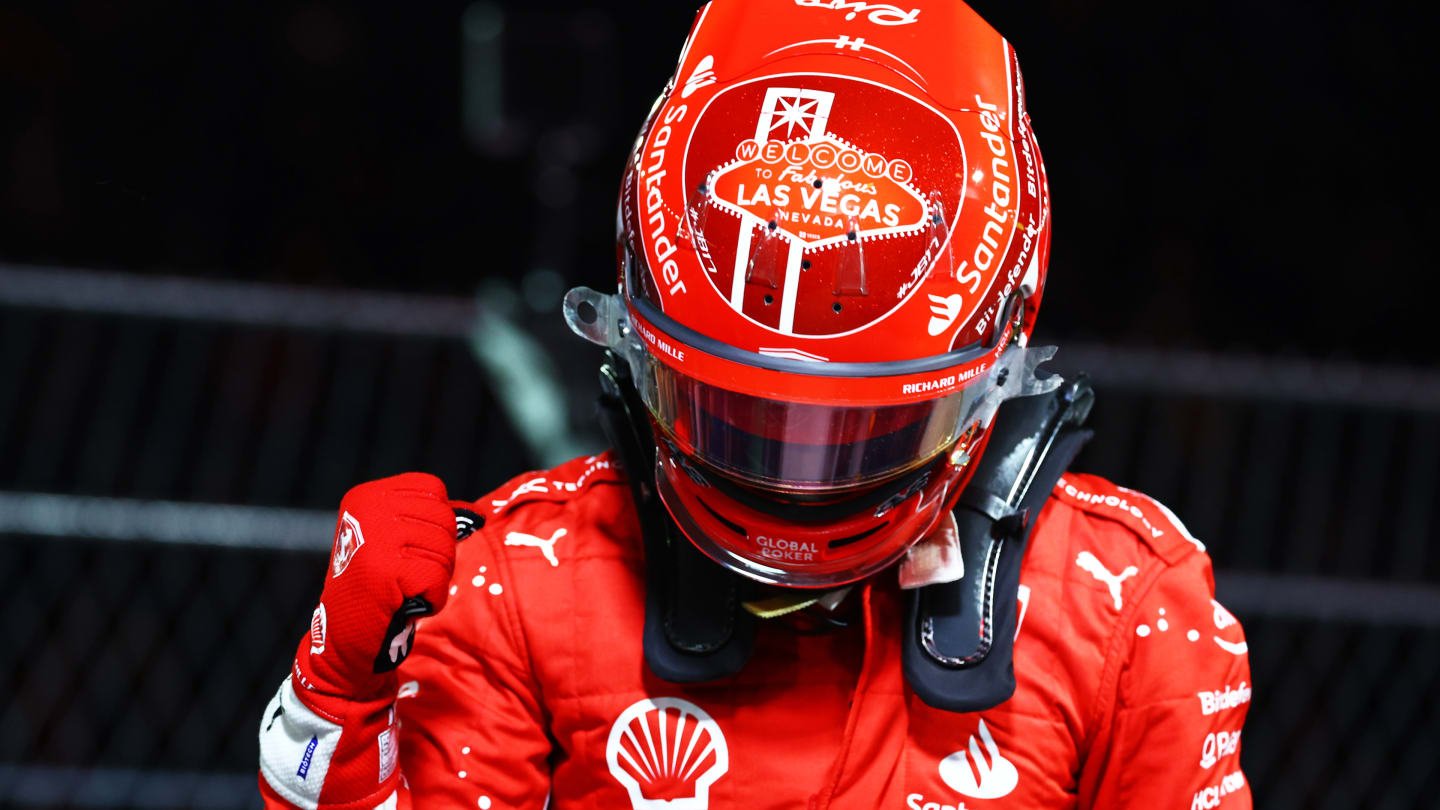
(667, 752)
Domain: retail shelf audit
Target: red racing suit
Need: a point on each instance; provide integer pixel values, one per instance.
(531, 685)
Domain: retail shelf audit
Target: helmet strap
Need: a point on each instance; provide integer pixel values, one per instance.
(957, 649)
(696, 628)
(957, 645)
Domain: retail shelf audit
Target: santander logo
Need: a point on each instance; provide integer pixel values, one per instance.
(943, 311)
(980, 776)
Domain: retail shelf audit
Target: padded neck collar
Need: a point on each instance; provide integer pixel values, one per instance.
(958, 636)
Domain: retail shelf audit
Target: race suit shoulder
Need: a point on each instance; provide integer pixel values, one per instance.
(531, 687)
(1166, 719)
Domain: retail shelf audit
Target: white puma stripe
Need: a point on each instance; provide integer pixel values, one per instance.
(546, 545)
(1090, 563)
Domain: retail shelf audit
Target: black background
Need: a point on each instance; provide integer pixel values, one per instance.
(1231, 177)
(1225, 175)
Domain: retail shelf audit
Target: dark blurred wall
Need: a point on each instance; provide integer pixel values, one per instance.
(1226, 175)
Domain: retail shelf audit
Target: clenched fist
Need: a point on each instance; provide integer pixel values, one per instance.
(329, 737)
(391, 563)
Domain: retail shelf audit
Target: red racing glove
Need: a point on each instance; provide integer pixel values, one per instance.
(394, 551)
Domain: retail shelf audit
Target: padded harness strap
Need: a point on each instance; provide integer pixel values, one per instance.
(695, 627)
(959, 636)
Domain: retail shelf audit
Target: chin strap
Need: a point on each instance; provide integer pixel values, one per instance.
(958, 646)
(696, 628)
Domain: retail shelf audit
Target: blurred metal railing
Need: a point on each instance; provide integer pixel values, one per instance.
(1206, 374)
(234, 302)
(81, 517)
(171, 452)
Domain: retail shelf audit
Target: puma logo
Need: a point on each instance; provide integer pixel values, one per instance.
(533, 485)
(546, 546)
(1097, 569)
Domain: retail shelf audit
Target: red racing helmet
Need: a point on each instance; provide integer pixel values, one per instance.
(832, 232)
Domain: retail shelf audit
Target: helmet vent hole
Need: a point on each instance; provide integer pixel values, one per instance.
(729, 524)
(587, 312)
(837, 307)
(855, 538)
(769, 299)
